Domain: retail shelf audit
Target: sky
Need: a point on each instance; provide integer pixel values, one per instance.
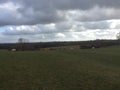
(58, 20)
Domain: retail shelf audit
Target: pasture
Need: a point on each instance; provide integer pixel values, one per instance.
(78, 69)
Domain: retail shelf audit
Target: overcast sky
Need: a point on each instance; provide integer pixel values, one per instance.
(59, 20)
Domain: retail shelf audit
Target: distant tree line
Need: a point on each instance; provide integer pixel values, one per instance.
(99, 43)
(37, 46)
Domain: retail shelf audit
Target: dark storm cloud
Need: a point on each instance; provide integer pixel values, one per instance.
(70, 4)
(30, 12)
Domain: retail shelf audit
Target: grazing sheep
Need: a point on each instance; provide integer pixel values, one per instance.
(13, 50)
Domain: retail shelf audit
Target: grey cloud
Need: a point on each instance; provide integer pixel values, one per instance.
(33, 16)
(31, 12)
(94, 14)
(117, 26)
(58, 20)
(3, 1)
(70, 4)
(63, 27)
(97, 25)
(30, 30)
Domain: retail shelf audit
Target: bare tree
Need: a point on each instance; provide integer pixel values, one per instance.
(23, 40)
(22, 44)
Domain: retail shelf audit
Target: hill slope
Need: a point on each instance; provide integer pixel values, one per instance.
(93, 69)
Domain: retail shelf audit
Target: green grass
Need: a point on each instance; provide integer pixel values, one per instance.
(90, 69)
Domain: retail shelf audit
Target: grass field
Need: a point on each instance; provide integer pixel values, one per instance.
(90, 69)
